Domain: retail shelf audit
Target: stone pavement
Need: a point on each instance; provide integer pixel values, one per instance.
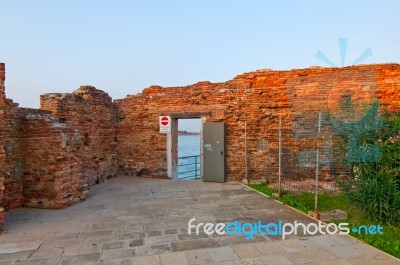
(144, 221)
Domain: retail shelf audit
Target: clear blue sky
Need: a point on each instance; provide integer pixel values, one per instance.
(124, 46)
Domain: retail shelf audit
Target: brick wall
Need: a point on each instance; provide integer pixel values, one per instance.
(93, 117)
(13, 195)
(2, 151)
(257, 99)
(51, 172)
(141, 148)
(49, 157)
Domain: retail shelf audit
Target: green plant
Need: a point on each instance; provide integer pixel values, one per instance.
(389, 242)
(295, 203)
(368, 144)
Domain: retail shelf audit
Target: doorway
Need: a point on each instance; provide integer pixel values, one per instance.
(189, 148)
(212, 147)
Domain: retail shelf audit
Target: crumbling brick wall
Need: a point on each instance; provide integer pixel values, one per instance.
(2, 150)
(51, 172)
(41, 169)
(93, 116)
(13, 195)
(256, 99)
(50, 156)
(141, 148)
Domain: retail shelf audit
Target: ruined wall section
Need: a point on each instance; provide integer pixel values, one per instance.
(2, 151)
(13, 195)
(51, 172)
(141, 148)
(49, 157)
(254, 100)
(388, 80)
(299, 95)
(94, 118)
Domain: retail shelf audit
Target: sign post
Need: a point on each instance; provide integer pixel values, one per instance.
(165, 124)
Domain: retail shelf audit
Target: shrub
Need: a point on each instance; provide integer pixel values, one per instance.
(372, 155)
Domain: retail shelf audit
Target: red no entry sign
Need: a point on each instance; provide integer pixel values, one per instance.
(165, 124)
(164, 121)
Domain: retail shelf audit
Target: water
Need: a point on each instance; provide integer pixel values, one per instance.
(188, 145)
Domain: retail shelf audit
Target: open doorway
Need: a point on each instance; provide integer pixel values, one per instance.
(189, 148)
(209, 151)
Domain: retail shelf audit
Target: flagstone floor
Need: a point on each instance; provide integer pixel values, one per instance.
(144, 221)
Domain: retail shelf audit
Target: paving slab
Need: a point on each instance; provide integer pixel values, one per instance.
(36, 262)
(47, 253)
(349, 250)
(113, 245)
(311, 255)
(144, 221)
(87, 248)
(147, 260)
(372, 258)
(118, 253)
(222, 254)
(173, 258)
(153, 249)
(193, 244)
(198, 257)
(245, 251)
(81, 259)
(268, 248)
(248, 261)
(276, 259)
(152, 240)
(17, 247)
(19, 255)
(222, 263)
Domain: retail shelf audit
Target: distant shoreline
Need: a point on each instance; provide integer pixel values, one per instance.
(188, 133)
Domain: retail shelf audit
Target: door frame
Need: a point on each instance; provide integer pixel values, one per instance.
(172, 139)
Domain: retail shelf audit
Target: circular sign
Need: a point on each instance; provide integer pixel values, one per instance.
(164, 121)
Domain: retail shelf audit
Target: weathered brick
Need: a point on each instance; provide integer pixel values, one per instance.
(51, 155)
(257, 98)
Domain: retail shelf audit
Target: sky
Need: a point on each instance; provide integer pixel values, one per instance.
(122, 47)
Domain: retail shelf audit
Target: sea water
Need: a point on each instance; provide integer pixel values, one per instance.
(188, 145)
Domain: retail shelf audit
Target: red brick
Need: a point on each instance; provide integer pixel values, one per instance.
(52, 155)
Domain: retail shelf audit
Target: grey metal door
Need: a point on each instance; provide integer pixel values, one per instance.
(213, 152)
